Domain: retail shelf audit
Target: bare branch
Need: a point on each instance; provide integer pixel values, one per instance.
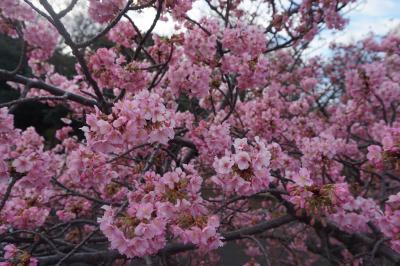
(64, 12)
(77, 53)
(5, 75)
(34, 99)
(153, 25)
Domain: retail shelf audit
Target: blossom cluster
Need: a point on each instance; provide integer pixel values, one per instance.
(15, 256)
(386, 156)
(111, 70)
(144, 119)
(211, 140)
(317, 199)
(24, 161)
(389, 223)
(162, 204)
(244, 171)
(42, 39)
(356, 214)
(123, 34)
(214, 130)
(245, 59)
(104, 11)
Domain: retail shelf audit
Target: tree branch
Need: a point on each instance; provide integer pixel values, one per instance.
(171, 248)
(77, 53)
(5, 75)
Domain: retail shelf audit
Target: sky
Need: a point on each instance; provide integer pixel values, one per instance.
(366, 16)
(378, 16)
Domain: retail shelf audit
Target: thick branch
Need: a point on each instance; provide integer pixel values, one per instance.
(108, 28)
(171, 248)
(4, 75)
(153, 25)
(34, 99)
(349, 240)
(77, 53)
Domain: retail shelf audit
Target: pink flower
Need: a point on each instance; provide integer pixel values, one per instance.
(144, 211)
(6, 121)
(242, 159)
(140, 231)
(10, 251)
(240, 144)
(43, 38)
(103, 127)
(14, 254)
(387, 142)
(375, 155)
(104, 11)
(223, 165)
(22, 164)
(204, 236)
(3, 169)
(302, 178)
(123, 33)
(263, 158)
(244, 180)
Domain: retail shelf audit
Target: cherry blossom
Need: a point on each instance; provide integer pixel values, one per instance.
(221, 131)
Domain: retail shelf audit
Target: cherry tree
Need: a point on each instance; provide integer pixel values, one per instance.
(219, 132)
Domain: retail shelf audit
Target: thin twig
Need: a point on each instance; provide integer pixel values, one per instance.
(76, 248)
